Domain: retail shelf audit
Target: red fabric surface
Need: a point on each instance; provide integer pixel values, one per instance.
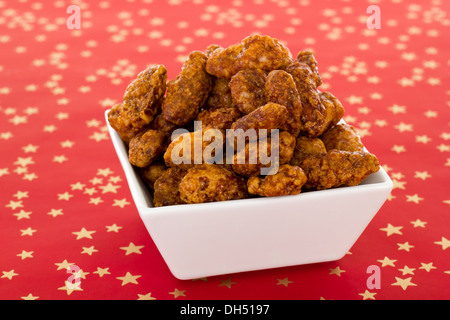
(64, 199)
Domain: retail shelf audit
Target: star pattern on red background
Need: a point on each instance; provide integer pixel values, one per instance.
(64, 199)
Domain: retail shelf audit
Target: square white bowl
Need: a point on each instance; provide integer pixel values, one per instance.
(201, 240)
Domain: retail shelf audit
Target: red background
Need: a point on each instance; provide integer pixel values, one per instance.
(56, 83)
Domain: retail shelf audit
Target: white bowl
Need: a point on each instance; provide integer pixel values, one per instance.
(201, 240)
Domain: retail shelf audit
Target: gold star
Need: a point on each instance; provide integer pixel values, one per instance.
(364, 110)
(30, 148)
(63, 101)
(430, 114)
(24, 161)
(104, 172)
(431, 50)
(83, 233)
(405, 246)
(4, 171)
(397, 109)
(409, 56)
(368, 295)
(62, 115)
(93, 123)
(81, 274)
(444, 243)
(98, 136)
(226, 283)
(63, 265)
(113, 228)
(434, 81)
(6, 135)
(22, 214)
(397, 175)
(9, 274)
(20, 170)
(398, 149)
(422, 175)
(390, 230)
(71, 287)
(25, 254)
(404, 283)
(418, 223)
(178, 293)
(132, 249)
(120, 203)
(21, 194)
(423, 139)
(96, 180)
(31, 87)
(445, 135)
(84, 89)
(381, 64)
(10, 110)
(432, 64)
(30, 176)
(285, 282)
(14, 204)
(38, 62)
(443, 147)
(89, 250)
(387, 262)
(147, 296)
(102, 271)
(349, 118)
(27, 232)
(128, 278)
(407, 270)
(354, 99)
(77, 186)
(115, 179)
(402, 127)
(95, 201)
(427, 266)
(107, 102)
(55, 212)
(50, 128)
(398, 184)
(90, 191)
(405, 82)
(363, 132)
(376, 96)
(337, 271)
(109, 188)
(205, 279)
(18, 120)
(29, 297)
(60, 159)
(373, 79)
(67, 144)
(413, 198)
(64, 196)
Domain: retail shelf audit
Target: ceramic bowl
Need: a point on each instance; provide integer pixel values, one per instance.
(201, 240)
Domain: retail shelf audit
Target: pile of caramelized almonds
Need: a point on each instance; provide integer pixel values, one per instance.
(255, 84)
